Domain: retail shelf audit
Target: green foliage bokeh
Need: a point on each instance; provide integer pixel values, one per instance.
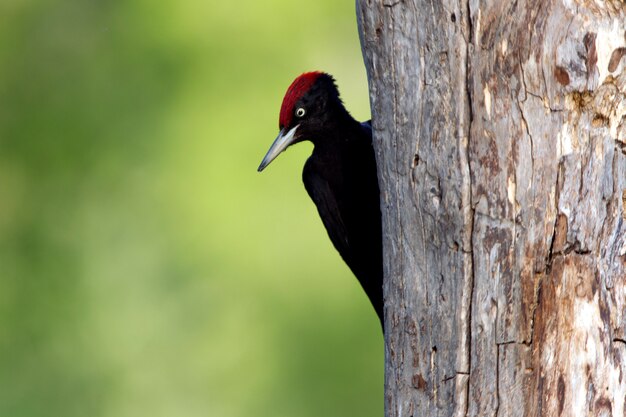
(146, 268)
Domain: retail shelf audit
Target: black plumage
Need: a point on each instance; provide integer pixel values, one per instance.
(340, 175)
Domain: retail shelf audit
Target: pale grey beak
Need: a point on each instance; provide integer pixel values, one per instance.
(280, 144)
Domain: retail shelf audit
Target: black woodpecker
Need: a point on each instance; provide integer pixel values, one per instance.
(340, 175)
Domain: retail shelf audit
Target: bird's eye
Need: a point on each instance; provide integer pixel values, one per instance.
(300, 112)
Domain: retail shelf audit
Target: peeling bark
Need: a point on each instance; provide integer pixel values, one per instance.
(500, 133)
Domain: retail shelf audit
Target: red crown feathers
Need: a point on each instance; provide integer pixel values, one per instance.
(296, 90)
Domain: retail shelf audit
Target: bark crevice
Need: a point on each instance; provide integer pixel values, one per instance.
(470, 212)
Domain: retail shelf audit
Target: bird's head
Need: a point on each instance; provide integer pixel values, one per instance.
(304, 112)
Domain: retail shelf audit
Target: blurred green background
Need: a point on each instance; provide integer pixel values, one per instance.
(146, 268)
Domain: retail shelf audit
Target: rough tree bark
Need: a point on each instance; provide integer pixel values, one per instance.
(500, 133)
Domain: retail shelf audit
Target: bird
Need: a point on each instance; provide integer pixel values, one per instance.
(340, 176)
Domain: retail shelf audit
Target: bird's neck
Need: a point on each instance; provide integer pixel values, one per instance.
(339, 130)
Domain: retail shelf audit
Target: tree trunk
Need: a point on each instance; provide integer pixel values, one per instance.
(500, 135)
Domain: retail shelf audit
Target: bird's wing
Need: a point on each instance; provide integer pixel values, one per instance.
(367, 127)
(329, 210)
